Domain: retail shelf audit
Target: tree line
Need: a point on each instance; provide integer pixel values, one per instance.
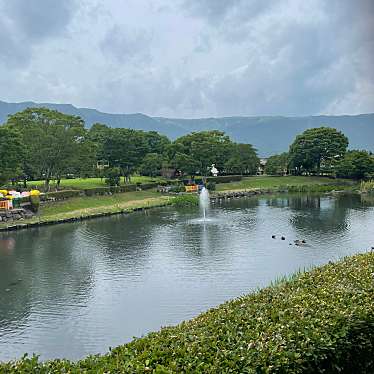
(39, 143)
(322, 151)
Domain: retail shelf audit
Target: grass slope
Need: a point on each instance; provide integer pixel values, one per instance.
(321, 321)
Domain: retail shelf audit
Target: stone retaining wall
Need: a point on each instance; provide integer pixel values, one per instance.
(217, 196)
(15, 215)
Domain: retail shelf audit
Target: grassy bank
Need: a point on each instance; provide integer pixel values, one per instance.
(321, 321)
(268, 182)
(91, 206)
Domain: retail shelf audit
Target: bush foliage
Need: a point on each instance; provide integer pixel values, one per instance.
(321, 321)
(185, 200)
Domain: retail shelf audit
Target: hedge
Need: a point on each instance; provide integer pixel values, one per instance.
(321, 321)
(148, 186)
(225, 179)
(220, 179)
(60, 195)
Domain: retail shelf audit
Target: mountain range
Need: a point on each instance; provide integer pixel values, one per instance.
(269, 134)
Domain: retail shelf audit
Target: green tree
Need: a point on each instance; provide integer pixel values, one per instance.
(156, 143)
(151, 165)
(355, 164)
(277, 164)
(84, 162)
(11, 154)
(98, 133)
(125, 148)
(317, 150)
(206, 148)
(186, 164)
(50, 139)
(113, 176)
(243, 160)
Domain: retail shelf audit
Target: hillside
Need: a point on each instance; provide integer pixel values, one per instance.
(268, 134)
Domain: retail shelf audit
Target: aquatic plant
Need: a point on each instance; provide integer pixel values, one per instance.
(316, 188)
(367, 186)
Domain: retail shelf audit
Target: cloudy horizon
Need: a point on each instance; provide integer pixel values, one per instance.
(189, 58)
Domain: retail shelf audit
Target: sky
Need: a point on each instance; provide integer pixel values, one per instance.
(190, 58)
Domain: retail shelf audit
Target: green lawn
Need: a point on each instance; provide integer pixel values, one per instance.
(273, 182)
(86, 183)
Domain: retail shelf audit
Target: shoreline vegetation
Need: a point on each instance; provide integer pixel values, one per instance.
(317, 321)
(88, 207)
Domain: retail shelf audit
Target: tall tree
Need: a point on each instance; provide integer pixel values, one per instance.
(11, 154)
(316, 149)
(151, 165)
(243, 160)
(98, 133)
(277, 164)
(186, 164)
(51, 141)
(84, 162)
(156, 142)
(207, 148)
(125, 148)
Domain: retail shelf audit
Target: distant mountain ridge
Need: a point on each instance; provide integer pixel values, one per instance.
(268, 134)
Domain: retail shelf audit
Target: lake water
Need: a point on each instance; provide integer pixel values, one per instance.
(76, 289)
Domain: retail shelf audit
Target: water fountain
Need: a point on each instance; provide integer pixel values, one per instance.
(204, 201)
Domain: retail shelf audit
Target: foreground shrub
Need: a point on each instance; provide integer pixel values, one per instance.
(211, 186)
(178, 188)
(35, 203)
(321, 321)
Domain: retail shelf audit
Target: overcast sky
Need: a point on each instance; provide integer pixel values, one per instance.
(190, 58)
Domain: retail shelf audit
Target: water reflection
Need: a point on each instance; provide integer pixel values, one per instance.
(44, 268)
(319, 214)
(74, 289)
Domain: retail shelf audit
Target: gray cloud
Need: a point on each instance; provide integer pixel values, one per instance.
(26, 23)
(191, 58)
(39, 18)
(126, 45)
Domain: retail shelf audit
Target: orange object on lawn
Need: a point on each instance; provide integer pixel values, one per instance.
(192, 188)
(5, 204)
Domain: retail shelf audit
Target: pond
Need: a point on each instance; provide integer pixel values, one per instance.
(76, 289)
